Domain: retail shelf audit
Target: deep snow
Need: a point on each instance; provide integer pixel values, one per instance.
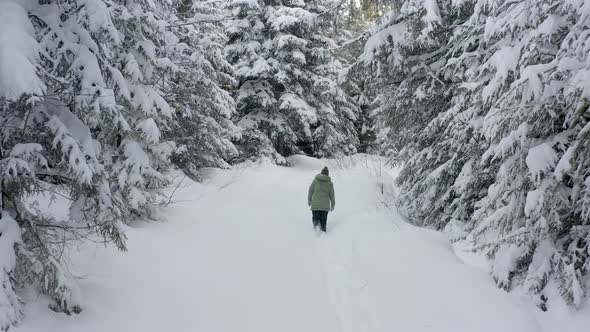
(238, 253)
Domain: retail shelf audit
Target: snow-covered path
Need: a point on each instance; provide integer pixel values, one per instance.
(238, 255)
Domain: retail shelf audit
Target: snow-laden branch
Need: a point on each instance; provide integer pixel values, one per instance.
(229, 18)
(209, 20)
(352, 41)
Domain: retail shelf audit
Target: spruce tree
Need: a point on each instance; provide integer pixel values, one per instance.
(502, 158)
(288, 97)
(81, 125)
(198, 88)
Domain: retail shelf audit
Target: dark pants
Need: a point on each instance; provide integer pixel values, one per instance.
(320, 218)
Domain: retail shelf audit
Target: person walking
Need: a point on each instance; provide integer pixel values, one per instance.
(321, 199)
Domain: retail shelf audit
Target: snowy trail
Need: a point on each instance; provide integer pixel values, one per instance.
(238, 254)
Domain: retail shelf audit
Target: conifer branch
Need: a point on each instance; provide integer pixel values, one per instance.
(336, 7)
(229, 18)
(211, 20)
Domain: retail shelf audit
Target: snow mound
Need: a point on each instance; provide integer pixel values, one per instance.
(302, 162)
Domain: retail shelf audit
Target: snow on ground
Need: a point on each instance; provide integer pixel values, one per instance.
(238, 253)
(559, 316)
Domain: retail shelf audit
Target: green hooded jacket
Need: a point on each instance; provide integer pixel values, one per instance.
(321, 194)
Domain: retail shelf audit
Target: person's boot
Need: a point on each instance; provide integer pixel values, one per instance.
(324, 226)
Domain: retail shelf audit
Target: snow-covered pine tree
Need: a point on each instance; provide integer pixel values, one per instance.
(351, 28)
(404, 55)
(202, 127)
(534, 93)
(439, 158)
(244, 51)
(46, 152)
(505, 158)
(338, 113)
(288, 97)
(136, 71)
(81, 118)
(502, 131)
(107, 63)
(18, 58)
(572, 169)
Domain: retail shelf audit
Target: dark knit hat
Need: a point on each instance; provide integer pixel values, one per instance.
(325, 171)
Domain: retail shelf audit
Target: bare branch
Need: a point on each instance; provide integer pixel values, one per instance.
(165, 204)
(336, 7)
